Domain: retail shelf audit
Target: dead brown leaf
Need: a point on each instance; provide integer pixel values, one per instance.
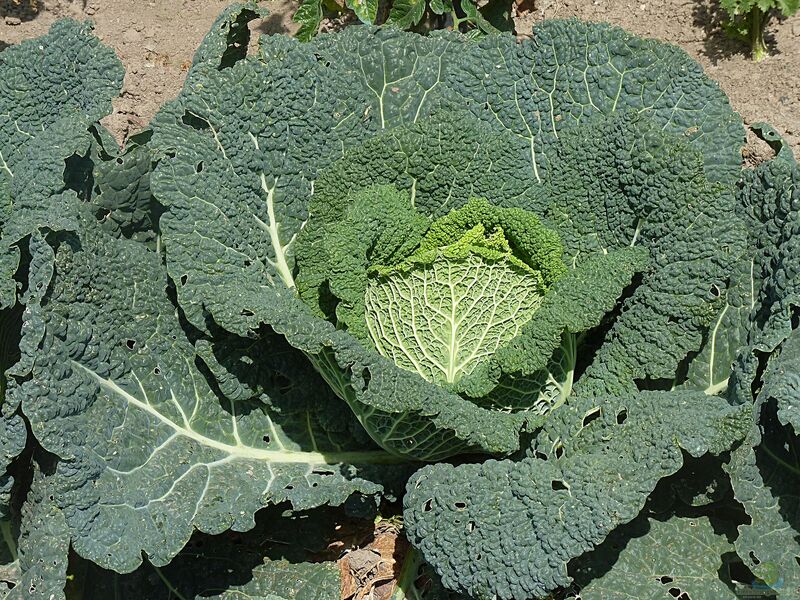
(369, 572)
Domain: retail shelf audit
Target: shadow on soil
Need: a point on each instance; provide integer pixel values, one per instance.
(719, 44)
(272, 24)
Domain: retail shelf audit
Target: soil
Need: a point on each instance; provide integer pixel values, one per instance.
(156, 40)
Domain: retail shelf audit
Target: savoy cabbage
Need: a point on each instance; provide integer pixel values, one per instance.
(537, 266)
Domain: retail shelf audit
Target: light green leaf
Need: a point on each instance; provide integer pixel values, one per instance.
(309, 15)
(442, 318)
(366, 10)
(406, 14)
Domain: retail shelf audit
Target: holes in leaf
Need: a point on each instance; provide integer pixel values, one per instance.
(246, 312)
(198, 168)
(157, 371)
(170, 154)
(715, 291)
(195, 122)
(665, 579)
(591, 416)
(266, 439)
(289, 487)
(559, 485)
(184, 279)
(460, 505)
(119, 160)
(478, 556)
(470, 526)
(754, 558)
(540, 455)
(674, 592)
(622, 416)
(428, 506)
(366, 376)
(131, 344)
(559, 451)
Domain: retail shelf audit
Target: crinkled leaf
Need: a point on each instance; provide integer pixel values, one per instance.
(506, 529)
(711, 370)
(43, 545)
(782, 382)
(622, 182)
(571, 70)
(121, 188)
(769, 202)
(51, 89)
(651, 559)
(149, 451)
(227, 40)
(765, 481)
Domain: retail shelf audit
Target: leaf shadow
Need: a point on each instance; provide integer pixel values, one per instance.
(284, 545)
(719, 44)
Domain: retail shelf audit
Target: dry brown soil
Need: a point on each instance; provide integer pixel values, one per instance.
(156, 39)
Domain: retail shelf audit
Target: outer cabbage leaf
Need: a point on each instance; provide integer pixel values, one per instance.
(506, 529)
(119, 186)
(658, 560)
(228, 38)
(50, 89)
(570, 70)
(765, 481)
(712, 368)
(43, 545)
(622, 182)
(149, 452)
(769, 201)
(765, 474)
(280, 558)
(764, 470)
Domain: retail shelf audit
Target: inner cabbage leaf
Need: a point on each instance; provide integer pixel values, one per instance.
(445, 310)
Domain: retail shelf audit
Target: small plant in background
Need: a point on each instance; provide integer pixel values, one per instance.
(416, 15)
(747, 20)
